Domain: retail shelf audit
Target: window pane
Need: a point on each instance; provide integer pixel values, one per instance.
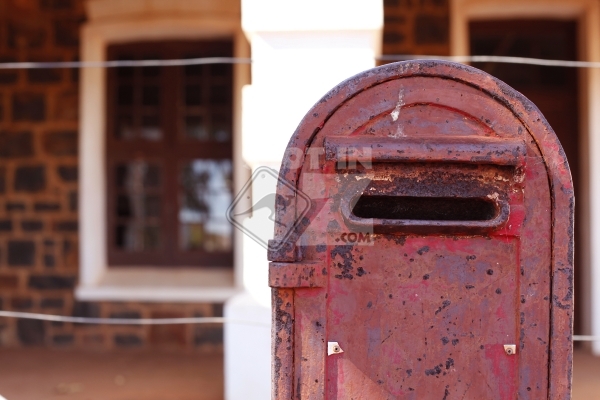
(125, 95)
(152, 176)
(137, 206)
(125, 237)
(194, 70)
(152, 206)
(125, 72)
(204, 198)
(221, 128)
(195, 128)
(123, 207)
(134, 176)
(193, 95)
(151, 128)
(220, 69)
(124, 128)
(220, 94)
(151, 237)
(150, 72)
(150, 95)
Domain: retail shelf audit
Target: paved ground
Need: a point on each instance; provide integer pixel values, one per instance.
(586, 377)
(39, 374)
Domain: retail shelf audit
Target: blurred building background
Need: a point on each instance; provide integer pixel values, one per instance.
(114, 182)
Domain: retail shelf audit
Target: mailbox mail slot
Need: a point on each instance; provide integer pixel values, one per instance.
(436, 258)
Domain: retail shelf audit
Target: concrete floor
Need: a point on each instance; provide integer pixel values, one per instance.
(40, 374)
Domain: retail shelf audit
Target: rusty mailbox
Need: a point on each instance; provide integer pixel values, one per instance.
(436, 257)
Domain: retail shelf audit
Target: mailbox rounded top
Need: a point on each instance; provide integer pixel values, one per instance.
(505, 96)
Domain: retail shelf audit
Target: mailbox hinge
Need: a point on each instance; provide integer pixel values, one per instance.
(297, 275)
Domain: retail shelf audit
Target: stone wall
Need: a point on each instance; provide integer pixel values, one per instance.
(38, 196)
(419, 27)
(38, 179)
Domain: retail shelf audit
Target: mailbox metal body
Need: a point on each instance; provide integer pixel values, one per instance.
(437, 255)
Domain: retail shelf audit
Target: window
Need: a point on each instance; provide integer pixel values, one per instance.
(169, 157)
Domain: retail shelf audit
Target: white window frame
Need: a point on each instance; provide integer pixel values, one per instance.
(587, 15)
(114, 21)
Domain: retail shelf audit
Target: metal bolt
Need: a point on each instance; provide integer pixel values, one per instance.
(334, 348)
(510, 349)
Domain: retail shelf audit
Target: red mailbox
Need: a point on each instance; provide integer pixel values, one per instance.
(436, 259)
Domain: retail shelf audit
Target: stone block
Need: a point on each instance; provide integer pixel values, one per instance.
(52, 302)
(64, 339)
(128, 340)
(21, 303)
(73, 201)
(28, 107)
(208, 334)
(14, 206)
(126, 315)
(30, 178)
(49, 261)
(68, 173)
(31, 332)
(394, 20)
(86, 309)
(44, 75)
(51, 282)
(393, 37)
(70, 253)
(2, 180)
(217, 310)
(32, 225)
(8, 76)
(60, 143)
(66, 32)
(431, 29)
(67, 103)
(9, 281)
(21, 253)
(26, 33)
(95, 340)
(66, 226)
(16, 144)
(6, 225)
(45, 206)
(52, 5)
(168, 335)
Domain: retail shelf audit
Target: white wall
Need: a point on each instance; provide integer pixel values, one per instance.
(300, 50)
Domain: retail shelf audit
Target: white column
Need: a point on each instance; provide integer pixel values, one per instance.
(300, 50)
(591, 289)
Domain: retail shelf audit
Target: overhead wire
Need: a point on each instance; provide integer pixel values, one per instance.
(242, 60)
(169, 321)
(239, 60)
(128, 321)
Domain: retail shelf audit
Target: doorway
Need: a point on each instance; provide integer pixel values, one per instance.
(554, 90)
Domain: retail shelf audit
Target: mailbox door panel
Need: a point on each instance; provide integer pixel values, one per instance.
(425, 318)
